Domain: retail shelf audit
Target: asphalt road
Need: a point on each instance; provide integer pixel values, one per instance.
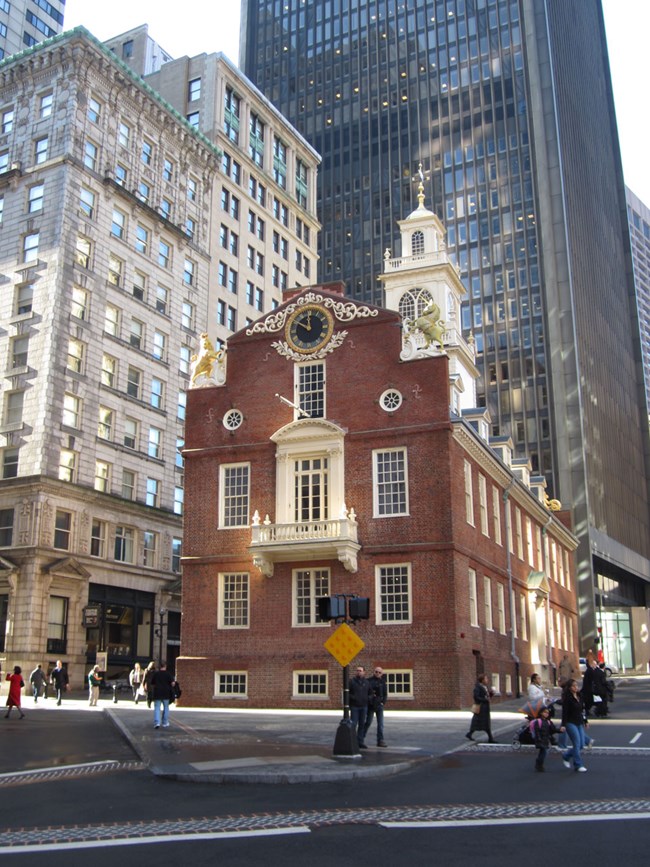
(483, 803)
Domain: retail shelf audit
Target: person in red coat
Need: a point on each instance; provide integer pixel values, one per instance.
(16, 683)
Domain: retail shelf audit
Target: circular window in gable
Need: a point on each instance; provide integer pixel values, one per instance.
(390, 400)
(233, 419)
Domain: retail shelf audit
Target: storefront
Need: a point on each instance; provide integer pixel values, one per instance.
(124, 630)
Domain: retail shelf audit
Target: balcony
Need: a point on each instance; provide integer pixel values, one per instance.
(304, 541)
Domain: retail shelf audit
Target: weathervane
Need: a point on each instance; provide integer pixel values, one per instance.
(421, 177)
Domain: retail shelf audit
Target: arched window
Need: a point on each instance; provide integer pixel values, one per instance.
(413, 302)
(417, 243)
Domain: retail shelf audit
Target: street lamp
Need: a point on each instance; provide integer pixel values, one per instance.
(159, 632)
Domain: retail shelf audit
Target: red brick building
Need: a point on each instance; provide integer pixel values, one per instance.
(335, 449)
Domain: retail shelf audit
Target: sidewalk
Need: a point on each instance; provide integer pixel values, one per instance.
(257, 746)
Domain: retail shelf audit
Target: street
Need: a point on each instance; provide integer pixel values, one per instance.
(471, 800)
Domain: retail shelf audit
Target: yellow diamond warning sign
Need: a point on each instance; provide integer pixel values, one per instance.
(344, 644)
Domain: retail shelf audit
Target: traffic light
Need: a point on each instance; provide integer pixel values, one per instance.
(359, 608)
(331, 607)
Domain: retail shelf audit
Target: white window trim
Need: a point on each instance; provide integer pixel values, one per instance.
(294, 598)
(400, 695)
(222, 492)
(469, 494)
(487, 603)
(473, 598)
(229, 695)
(375, 485)
(321, 696)
(220, 613)
(483, 507)
(409, 580)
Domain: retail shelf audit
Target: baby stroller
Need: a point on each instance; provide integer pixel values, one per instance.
(523, 736)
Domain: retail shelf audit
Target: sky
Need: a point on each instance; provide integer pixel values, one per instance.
(628, 36)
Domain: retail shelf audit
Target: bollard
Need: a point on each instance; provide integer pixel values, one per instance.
(114, 693)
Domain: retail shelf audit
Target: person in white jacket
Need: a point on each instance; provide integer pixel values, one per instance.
(537, 695)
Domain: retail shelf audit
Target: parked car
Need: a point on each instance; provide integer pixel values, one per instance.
(610, 668)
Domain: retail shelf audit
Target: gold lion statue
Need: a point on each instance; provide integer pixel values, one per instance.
(203, 362)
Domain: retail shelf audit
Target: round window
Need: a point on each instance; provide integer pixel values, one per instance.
(390, 400)
(232, 419)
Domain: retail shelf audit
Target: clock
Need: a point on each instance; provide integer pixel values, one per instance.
(309, 328)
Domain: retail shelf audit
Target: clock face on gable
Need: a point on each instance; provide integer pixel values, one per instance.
(309, 328)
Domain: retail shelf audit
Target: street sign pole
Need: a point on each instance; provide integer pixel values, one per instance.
(346, 744)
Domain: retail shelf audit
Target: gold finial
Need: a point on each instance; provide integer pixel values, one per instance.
(421, 177)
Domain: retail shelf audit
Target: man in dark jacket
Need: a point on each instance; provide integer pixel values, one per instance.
(359, 699)
(378, 698)
(162, 684)
(59, 680)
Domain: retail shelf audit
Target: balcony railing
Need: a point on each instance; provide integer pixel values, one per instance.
(331, 539)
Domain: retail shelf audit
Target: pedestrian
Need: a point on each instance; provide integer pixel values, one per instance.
(481, 709)
(16, 683)
(39, 682)
(378, 698)
(162, 686)
(599, 688)
(566, 669)
(574, 723)
(59, 680)
(359, 699)
(135, 679)
(94, 682)
(537, 695)
(146, 681)
(542, 729)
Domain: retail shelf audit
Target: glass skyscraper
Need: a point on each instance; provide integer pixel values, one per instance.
(507, 105)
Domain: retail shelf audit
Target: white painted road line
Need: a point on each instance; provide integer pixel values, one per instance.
(522, 820)
(69, 845)
(636, 737)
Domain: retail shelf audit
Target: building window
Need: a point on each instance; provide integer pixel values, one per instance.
(115, 270)
(189, 272)
(177, 553)
(399, 683)
(187, 316)
(57, 625)
(130, 433)
(94, 110)
(469, 494)
(152, 493)
(87, 203)
(106, 421)
(24, 299)
(67, 466)
(162, 299)
(136, 333)
(102, 476)
(6, 531)
(309, 683)
(165, 208)
(30, 247)
(149, 540)
(83, 251)
(19, 352)
(128, 484)
(230, 684)
(121, 175)
(487, 592)
(473, 598)
(76, 352)
(124, 134)
(10, 463)
(45, 105)
(142, 239)
(160, 346)
(310, 388)
(124, 538)
(309, 585)
(523, 619)
(311, 489)
(164, 254)
(482, 502)
(496, 514)
(168, 170)
(279, 162)
(520, 539)
(390, 483)
(194, 90)
(394, 593)
(62, 530)
(301, 183)
(192, 189)
(146, 154)
(112, 321)
(234, 486)
(233, 600)
(184, 359)
(179, 499)
(35, 203)
(14, 401)
(71, 411)
(134, 382)
(193, 118)
(501, 608)
(256, 140)
(91, 153)
(40, 150)
(157, 393)
(98, 538)
(154, 449)
(181, 406)
(7, 119)
(139, 286)
(231, 115)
